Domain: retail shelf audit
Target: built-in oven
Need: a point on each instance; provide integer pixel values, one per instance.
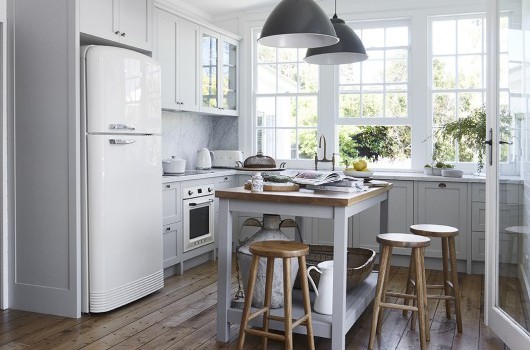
(198, 216)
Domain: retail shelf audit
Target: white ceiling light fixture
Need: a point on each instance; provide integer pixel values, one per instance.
(349, 49)
(297, 24)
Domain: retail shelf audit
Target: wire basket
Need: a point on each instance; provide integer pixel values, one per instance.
(360, 263)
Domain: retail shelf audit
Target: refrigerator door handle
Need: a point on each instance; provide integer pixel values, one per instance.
(121, 126)
(121, 142)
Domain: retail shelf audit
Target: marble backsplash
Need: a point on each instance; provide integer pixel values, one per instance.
(183, 134)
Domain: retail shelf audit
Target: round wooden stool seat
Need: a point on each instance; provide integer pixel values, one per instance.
(404, 240)
(279, 249)
(430, 230)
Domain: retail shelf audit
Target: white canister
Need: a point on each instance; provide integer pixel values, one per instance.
(257, 183)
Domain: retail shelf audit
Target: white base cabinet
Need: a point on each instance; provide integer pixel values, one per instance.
(172, 224)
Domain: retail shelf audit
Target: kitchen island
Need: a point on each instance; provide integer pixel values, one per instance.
(347, 306)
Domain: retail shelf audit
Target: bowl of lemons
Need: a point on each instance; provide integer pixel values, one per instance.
(359, 169)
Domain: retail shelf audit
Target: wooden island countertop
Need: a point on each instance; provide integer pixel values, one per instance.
(303, 196)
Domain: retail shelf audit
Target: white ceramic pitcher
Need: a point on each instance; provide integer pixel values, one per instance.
(324, 300)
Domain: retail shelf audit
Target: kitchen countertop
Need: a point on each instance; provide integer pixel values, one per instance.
(382, 175)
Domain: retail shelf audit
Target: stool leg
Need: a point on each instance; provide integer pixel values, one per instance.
(379, 293)
(267, 302)
(445, 262)
(421, 295)
(307, 302)
(410, 284)
(248, 301)
(287, 299)
(456, 288)
(385, 287)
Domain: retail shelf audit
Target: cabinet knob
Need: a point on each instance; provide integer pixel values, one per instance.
(117, 32)
(168, 186)
(168, 228)
(210, 189)
(190, 193)
(122, 34)
(226, 178)
(442, 185)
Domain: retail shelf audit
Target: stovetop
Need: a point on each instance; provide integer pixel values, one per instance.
(188, 172)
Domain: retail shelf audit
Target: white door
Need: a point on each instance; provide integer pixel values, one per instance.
(122, 91)
(508, 154)
(188, 65)
(124, 209)
(135, 22)
(97, 18)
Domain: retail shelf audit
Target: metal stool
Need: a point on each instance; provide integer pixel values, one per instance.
(271, 250)
(402, 240)
(450, 285)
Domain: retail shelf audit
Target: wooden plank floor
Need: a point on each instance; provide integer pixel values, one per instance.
(183, 316)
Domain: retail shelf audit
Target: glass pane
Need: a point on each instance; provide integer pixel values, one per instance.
(372, 105)
(266, 79)
(373, 37)
(444, 72)
(209, 71)
(287, 55)
(470, 35)
(307, 144)
(286, 144)
(372, 71)
(443, 147)
(397, 36)
(396, 71)
(265, 111)
(286, 111)
(470, 72)
(443, 37)
(396, 105)
(443, 108)
(287, 78)
(266, 54)
(307, 111)
(503, 71)
(468, 102)
(350, 73)
(381, 146)
(308, 79)
(349, 105)
(229, 76)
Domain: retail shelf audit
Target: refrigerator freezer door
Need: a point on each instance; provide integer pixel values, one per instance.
(122, 89)
(124, 219)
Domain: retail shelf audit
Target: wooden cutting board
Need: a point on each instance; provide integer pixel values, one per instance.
(277, 187)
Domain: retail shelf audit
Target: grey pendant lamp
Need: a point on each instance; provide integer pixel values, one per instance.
(297, 24)
(349, 49)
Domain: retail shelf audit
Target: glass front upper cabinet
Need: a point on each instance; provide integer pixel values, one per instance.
(219, 76)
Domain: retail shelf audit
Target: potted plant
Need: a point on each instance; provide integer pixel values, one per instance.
(427, 169)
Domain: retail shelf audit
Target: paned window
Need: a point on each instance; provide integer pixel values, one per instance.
(286, 102)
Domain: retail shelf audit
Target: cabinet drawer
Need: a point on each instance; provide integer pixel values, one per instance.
(508, 193)
(171, 240)
(171, 203)
(509, 215)
(508, 248)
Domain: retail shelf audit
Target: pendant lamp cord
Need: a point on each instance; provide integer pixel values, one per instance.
(335, 15)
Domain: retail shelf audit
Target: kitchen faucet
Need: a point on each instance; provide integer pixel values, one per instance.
(324, 159)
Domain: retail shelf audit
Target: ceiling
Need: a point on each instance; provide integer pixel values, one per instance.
(216, 8)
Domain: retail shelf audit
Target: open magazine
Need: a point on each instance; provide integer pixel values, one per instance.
(314, 177)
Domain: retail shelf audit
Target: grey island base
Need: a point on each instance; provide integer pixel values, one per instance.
(347, 306)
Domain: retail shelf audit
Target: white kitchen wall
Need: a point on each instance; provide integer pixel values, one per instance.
(184, 133)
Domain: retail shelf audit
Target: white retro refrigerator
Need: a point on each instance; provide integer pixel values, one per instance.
(121, 171)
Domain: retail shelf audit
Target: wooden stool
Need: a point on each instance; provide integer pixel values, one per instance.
(271, 250)
(403, 240)
(450, 285)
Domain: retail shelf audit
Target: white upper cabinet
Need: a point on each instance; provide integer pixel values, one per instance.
(177, 51)
(219, 73)
(125, 21)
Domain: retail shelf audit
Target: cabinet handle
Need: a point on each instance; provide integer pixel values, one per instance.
(121, 142)
(123, 34)
(117, 32)
(442, 185)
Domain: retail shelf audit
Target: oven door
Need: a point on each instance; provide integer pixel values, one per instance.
(198, 222)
